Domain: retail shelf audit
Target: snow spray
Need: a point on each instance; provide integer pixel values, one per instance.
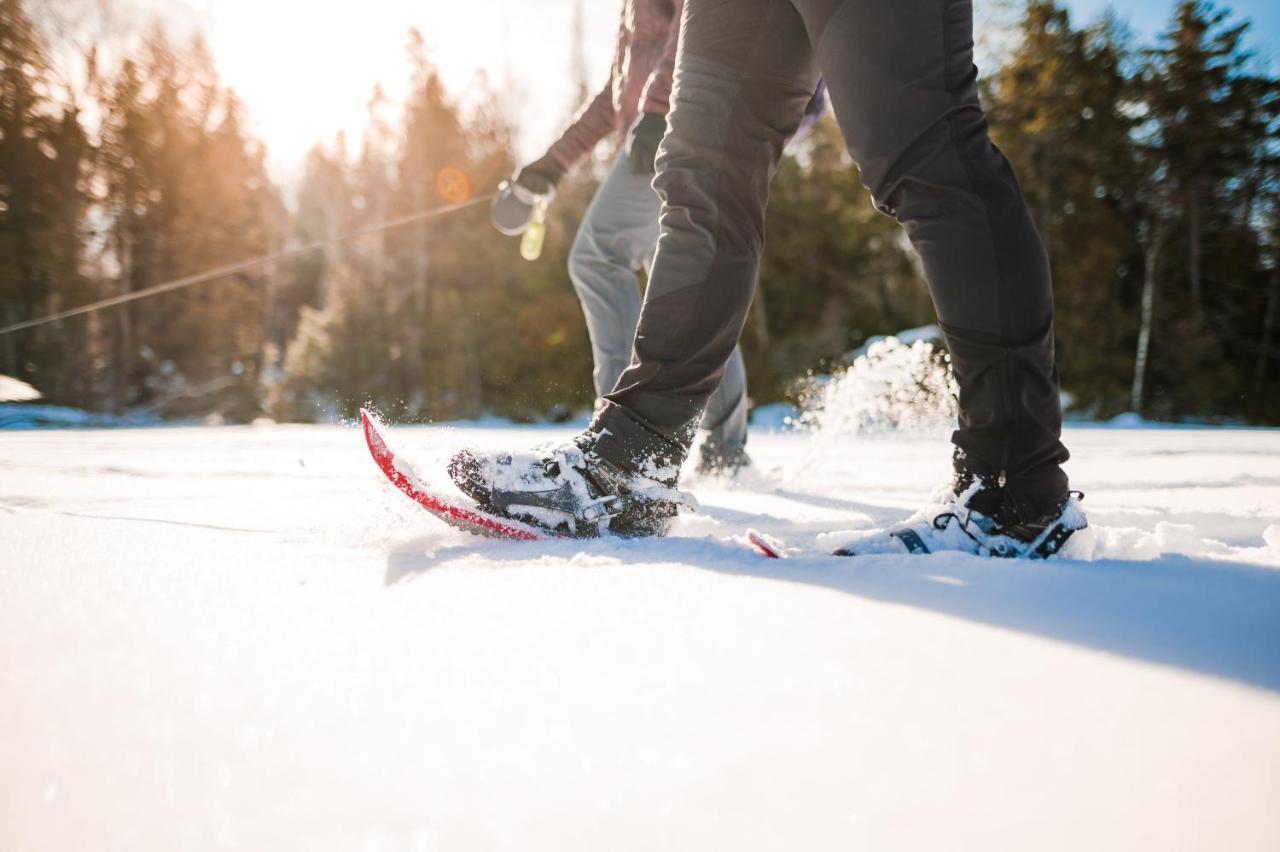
(891, 388)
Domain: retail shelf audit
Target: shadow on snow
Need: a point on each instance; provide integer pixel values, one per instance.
(1214, 618)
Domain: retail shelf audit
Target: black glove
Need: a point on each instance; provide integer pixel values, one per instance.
(541, 176)
(642, 142)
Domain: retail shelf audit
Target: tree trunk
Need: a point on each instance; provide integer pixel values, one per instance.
(1046, 200)
(416, 366)
(473, 393)
(10, 342)
(272, 333)
(760, 320)
(1268, 329)
(1151, 260)
(124, 331)
(1194, 253)
(124, 360)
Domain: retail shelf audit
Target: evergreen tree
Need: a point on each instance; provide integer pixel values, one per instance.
(1210, 140)
(1152, 175)
(441, 319)
(43, 155)
(186, 191)
(834, 270)
(1061, 109)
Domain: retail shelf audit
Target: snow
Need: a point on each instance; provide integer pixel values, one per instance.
(246, 638)
(895, 387)
(906, 337)
(16, 390)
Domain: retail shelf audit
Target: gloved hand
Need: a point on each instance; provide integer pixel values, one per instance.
(541, 176)
(642, 142)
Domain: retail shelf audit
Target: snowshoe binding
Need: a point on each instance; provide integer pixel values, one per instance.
(596, 482)
(980, 519)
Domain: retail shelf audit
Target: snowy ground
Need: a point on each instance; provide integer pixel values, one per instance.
(243, 638)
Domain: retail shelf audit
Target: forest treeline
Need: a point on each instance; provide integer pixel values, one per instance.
(1151, 171)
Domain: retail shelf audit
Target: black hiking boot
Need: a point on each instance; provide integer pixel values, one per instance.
(617, 476)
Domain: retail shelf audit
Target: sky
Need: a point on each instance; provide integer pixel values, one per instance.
(317, 80)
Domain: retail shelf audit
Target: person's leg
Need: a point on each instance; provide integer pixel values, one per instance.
(616, 237)
(901, 79)
(744, 76)
(902, 83)
(726, 413)
(903, 86)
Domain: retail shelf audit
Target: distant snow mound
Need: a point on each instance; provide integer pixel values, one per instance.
(892, 387)
(27, 416)
(12, 390)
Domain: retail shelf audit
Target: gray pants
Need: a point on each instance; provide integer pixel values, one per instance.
(617, 237)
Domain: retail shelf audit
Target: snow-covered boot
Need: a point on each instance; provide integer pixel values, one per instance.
(620, 477)
(716, 458)
(722, 451)
(980, 518)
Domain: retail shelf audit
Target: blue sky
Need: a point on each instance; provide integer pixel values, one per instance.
(1148, 17)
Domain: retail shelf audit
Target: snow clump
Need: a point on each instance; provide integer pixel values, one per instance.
(892, 388)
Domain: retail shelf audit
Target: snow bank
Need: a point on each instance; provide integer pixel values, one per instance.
(13, 390)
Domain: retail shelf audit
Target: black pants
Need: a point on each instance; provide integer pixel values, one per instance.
(902, 81)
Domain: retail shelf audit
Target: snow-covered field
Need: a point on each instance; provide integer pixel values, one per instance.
(244, 638)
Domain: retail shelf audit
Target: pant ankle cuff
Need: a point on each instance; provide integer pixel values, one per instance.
(622, 438)
(1031, 497)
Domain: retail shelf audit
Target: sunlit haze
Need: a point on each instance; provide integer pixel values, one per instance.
(306, 70)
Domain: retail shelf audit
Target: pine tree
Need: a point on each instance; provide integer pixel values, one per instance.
(186, 191)
(826, 241)
(1061, 110)
(1209, 142)
(43, 152)
(1194, 98)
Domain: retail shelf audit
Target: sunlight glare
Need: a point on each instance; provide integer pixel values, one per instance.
(306, 71)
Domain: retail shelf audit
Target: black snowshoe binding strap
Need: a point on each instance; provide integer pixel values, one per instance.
(911, 539)
(993, 538)
(1052, 541)
(1055, 536)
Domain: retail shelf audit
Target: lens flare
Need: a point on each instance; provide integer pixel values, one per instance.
(453, 185)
